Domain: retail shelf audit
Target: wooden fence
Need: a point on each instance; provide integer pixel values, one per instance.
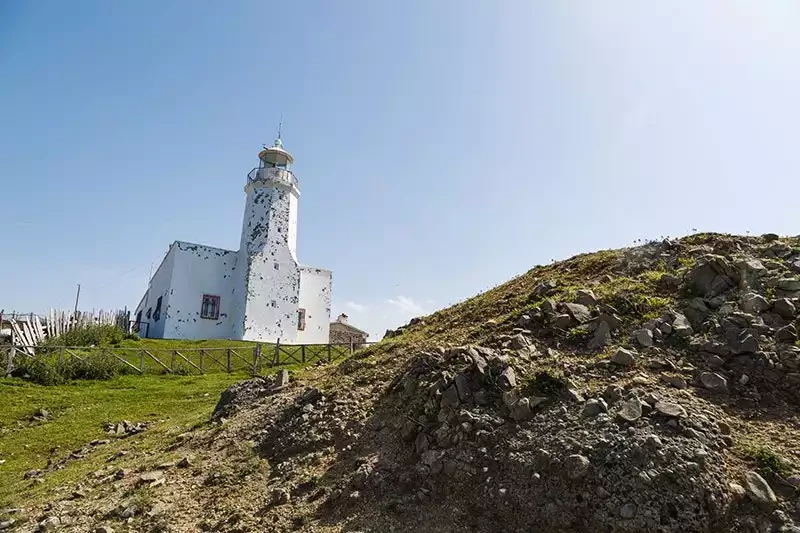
(188, 360)
(29, 330)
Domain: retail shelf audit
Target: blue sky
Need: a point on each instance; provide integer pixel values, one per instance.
(442, 146)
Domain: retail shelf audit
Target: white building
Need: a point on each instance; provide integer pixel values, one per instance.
(257, 293)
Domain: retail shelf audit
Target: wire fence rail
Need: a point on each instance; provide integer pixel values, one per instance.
(175, 360)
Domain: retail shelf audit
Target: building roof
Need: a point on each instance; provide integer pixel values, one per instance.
(351, 328)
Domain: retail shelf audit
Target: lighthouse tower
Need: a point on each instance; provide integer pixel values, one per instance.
(267, 266)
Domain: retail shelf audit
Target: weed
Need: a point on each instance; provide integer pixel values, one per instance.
(768, 461)
(545, 383)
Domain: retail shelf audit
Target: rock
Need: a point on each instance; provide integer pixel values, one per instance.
(787, 334)
(644, 337)
(714, 382)
(31, 474)
(281, 496)
(794, 480)
(478, 361)
(711, 276)
(758, 489)
(623, 357)
(789, 284)
(508, 378)
(103, 529)
(518, 342)
(521, 410)
(594, 407)
(784, 308)
(653, 442)
(449, 398)
(676, 381)
(51, 523)
(562, 321)
(631, 410)
(628, 511)
(184, 463)
(670, 409)
(543, 289)
(579, 313)
(6, 524)
(150, 477)
(462, 386)
(753, 303)
(668, 282)
(585, 297)
(681, 326)
(282, 378)
(737, 491)
(576, 466)
(601, 337)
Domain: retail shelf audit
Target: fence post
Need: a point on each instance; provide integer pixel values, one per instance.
(255, 358)
(172, 364)
(141, 361)
(329, 352)
(303, 350)
(229, 360)
(277, 353)
(202, 361)
(351, 346)
(10, 363)
(60, 356)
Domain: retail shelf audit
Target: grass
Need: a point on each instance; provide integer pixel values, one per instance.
(171, 405)
(767, 461)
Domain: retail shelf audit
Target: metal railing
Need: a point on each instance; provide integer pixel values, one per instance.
(274, 174)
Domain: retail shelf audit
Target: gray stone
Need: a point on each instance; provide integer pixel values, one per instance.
(562, 321)
(594, 407)
(653, 442)
(631, 410)
(585, 297)
(449, 398)
(282, 378)
(714, 382)
(281, 496)
(462, 386)
(681, 326)
(789, 284)
(51, 523)
(518, 342)
(623, 357)
(737, 491)
(508, 378)
(784, 308)
(758, 489)
(601, 337)
(711, 276)
(715, 361)
(576, 466)
(628, 511)
(676, 381)
(753, 303)
(6, 524)
(611, 319)
(644, 337)
(794, 480)
(521, 410)
(478, 361)
(787, 334)
(149, 477)
(670, 409)
(579, 313)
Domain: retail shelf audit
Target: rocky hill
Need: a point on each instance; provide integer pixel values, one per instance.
(653, 388)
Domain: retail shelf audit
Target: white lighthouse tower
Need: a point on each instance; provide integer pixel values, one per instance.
(268, 250)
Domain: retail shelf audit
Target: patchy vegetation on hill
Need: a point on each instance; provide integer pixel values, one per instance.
(647, 389)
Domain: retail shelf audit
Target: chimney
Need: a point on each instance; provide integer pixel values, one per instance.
(342, 319)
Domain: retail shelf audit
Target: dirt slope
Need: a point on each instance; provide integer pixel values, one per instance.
(646, 389)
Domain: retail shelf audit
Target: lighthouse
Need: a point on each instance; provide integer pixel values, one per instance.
(260, 292)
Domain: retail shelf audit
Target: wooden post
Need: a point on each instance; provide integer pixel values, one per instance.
(141, 361)
(255, 357)
(277, 360)
(303, 350)
(229, 360)
(202, 361)
(329, 352)
(172, 364)
(10, 363)
(60, 356)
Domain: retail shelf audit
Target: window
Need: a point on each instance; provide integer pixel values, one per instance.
(149, 313)
(137, 325)
(301, 319)
(210, 307)
(157, 312)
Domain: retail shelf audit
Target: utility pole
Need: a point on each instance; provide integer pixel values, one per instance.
(77, 297)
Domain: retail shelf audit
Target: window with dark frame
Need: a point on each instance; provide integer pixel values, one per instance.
(301, 319)
(149, 313)
(210, 307)
(157, 312)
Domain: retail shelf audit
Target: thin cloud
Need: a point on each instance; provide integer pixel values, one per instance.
(358, 308)
(406, 305)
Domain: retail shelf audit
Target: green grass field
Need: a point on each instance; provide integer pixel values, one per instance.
(78, 411)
